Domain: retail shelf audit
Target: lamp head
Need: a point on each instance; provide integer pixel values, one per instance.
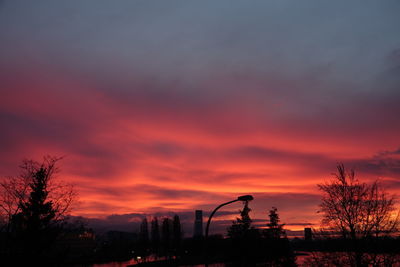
(245, 198)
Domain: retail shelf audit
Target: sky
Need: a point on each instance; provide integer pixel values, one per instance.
(162, 107)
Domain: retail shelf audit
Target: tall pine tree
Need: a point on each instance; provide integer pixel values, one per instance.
(155, 235)
(241, 227)
(37, 213)
(176, 232)
(274, 230)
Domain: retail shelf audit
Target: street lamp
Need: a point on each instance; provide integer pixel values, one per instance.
(241, 198)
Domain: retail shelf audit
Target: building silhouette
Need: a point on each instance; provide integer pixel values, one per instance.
(198, 224)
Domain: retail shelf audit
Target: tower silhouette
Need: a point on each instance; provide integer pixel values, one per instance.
(198, 224)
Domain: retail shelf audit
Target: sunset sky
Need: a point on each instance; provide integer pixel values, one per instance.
(171, 106)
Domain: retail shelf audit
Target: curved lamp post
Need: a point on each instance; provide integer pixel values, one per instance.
(241, 198)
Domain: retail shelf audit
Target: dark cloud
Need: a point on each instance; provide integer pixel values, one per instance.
(388, 153)
(384, 163)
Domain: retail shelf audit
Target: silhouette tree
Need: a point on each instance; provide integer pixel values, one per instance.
(242, 225)
(144, 239)
(16, 192)
(144, 232)
(38, 212)
(34, 205)
(243, 239)
(357, 210)
(177, 233)
(166, 236)
(275, 230)
(277, 250)
(155, 235)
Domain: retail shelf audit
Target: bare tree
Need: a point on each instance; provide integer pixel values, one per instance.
(13, 191)
(16, 192)
(357, 210)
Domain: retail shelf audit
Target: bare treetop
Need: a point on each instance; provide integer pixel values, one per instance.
(355, 209)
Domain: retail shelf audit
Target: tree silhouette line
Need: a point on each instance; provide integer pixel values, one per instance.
(165, 243)
(359, 227)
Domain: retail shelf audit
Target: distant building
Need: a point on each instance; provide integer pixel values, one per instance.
(198, 224)
(307, 234)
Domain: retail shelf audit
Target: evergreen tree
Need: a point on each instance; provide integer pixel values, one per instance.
(166, 236)
(177, 232)
(166, 231)
(35, 206)
(144, 239)
(275, 230)
(278, 249)
(243, 239)
(36, 226)
(144, 232)
(241, 227)
(155, 235)
(38, 212)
